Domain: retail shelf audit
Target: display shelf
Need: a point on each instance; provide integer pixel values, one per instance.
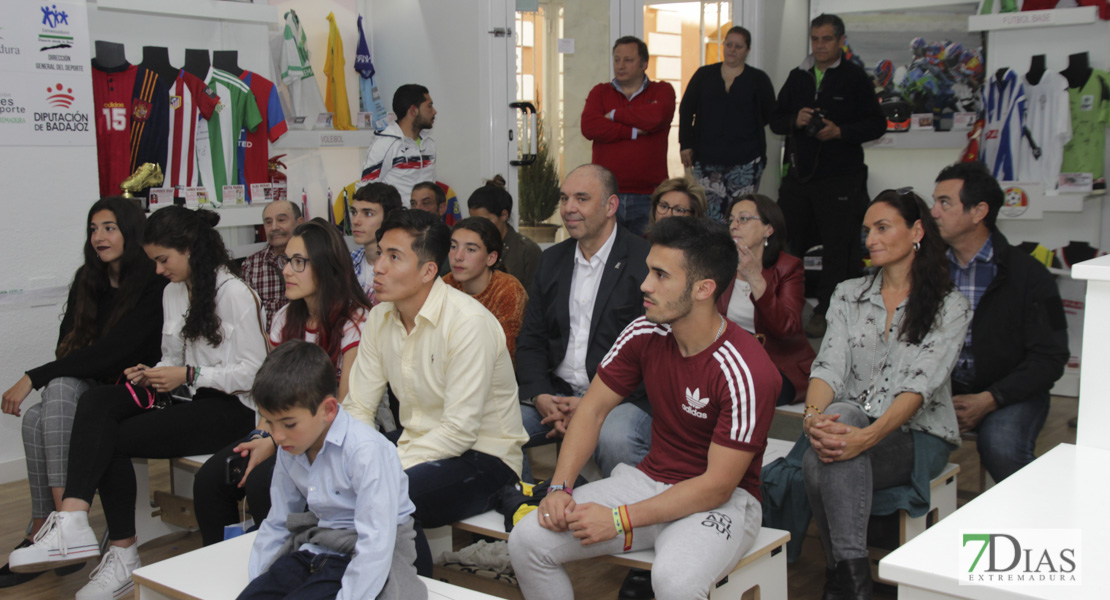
(325, 138)
(1081, 15)
(921, 140)
(220, 10)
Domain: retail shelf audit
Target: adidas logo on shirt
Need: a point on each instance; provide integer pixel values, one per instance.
(694, 401)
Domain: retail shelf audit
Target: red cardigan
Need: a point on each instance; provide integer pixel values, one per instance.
(778, 316)
(639, 164)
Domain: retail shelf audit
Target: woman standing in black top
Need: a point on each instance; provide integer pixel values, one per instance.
(112, 321)
(721, 121)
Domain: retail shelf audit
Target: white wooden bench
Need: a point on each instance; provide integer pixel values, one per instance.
(219, 572)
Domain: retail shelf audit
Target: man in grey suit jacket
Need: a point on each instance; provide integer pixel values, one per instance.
(585, 292)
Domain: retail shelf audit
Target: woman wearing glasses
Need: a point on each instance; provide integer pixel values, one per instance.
(326, 307)
(212, 345)
(720, 124)
(678, 197)
(768, 293)
(879, 413)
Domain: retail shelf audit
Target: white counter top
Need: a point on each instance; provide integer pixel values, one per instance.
(1067, 488)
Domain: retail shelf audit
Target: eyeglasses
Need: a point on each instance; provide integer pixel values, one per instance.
(743, 219)
(677, 211)
(298, 263)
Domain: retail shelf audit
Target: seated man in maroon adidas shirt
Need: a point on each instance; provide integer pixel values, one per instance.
(695, 497)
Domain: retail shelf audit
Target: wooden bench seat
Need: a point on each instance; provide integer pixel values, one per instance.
(219, 572)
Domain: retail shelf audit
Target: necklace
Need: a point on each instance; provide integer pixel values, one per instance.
(720, 330)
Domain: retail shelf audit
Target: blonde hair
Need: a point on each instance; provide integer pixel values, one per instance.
(686, 185)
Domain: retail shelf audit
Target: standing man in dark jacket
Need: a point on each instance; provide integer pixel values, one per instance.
(1017, 345)
(827, 109)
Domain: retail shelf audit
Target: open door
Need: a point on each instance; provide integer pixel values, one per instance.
(463, 52)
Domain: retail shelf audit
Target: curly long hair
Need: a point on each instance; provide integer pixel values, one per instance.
(193, 232)
(929, 278)
(339, 296)
(91, 279)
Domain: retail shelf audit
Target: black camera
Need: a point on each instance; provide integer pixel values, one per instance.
(236, 466)
(816, 123)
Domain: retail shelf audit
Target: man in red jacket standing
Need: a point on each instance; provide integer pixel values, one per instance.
(629, 119)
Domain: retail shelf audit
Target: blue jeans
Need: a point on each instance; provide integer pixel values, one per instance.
(625, 437)
(299, 575)
(633, 212)
(1008, 436)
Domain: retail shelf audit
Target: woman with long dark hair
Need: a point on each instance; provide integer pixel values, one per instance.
(113, 320)
(194, 401)
(326, 307)
(767, 295)
(475, 259)
(879, 413)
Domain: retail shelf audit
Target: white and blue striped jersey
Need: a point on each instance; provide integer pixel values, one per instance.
(1005, 116)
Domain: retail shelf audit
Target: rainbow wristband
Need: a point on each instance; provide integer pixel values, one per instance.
(626, 525)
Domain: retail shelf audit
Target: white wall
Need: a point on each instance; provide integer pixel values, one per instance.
(783, 40)
(47, 192)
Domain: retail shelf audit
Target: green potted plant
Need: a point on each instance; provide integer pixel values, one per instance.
(538, 191)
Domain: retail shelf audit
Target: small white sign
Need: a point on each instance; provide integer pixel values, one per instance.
(195, 196)
(262, 193)
(962, 121)
(323, 121)
(921, 122)
(234, 194)
(565, 45)
(161, 196)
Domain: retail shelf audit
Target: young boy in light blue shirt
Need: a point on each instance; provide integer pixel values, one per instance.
(357, 540)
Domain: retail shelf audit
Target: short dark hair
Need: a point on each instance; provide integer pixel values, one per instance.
(492, 198)
(491, 237)
(706, 246)
(641, 47)
(296, 374)
(410, 94)
(772, 215)
(826, 19)
(377, 192)
(979, 186)
(747, 35)
(441, 196)
(431, 239)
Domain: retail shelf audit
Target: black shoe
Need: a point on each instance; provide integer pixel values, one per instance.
(855, 578)
(9, 579)
(833, 591)
(636, 586)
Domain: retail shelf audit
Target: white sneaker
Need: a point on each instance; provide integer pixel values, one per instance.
(64, 539)
(111, 579)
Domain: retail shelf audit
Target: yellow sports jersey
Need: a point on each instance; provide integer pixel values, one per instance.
(336, 100)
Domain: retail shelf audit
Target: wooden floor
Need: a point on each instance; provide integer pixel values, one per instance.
(592, 580)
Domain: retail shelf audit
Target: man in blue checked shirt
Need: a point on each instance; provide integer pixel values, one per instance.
(356, 539)
(1017, 345)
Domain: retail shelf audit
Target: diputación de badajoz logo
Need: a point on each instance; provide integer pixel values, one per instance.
(1020, 557)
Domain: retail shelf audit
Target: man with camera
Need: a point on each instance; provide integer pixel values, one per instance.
(826, 109)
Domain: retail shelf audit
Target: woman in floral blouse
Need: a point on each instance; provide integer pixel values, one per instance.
(879, 413)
